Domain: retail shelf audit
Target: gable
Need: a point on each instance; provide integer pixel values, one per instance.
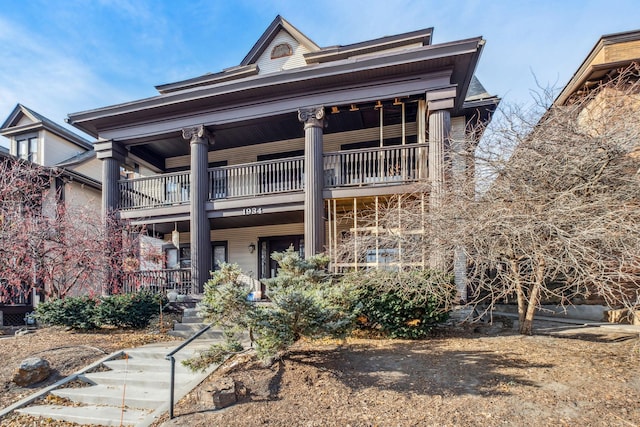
(24, 120)
(283, 53)
(20, 116)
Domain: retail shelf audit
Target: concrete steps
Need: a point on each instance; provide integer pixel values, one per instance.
(92, 414)
(135, 389)
(112, 395)
(191, 324)
(138, 379)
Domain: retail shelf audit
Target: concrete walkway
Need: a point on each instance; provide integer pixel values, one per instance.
(584, 328)
(132, 390)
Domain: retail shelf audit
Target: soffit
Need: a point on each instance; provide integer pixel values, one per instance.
(460, 57)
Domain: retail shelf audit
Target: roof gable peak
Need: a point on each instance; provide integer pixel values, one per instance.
(17, 114)
(277, 25)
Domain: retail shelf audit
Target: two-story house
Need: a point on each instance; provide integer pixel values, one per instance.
(75, 183)
(278, 150)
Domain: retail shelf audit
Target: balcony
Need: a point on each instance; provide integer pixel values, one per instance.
(364, 167)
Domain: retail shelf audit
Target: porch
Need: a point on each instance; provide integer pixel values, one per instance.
(366, 167)
(160, 281)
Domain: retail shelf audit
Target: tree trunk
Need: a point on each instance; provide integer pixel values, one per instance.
(522, 301)
(526, 327)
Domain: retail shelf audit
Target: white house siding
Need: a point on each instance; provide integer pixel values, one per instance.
(24, 120)
(268, 65)
(90, 168)
(238, 240)
(56, 149)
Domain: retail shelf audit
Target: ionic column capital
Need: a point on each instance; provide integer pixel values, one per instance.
(312, 116)
(196, 134)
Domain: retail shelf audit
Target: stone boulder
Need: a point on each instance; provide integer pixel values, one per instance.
(31, 371)
(225, 392)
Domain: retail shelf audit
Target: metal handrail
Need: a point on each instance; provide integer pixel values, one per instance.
(172, 359)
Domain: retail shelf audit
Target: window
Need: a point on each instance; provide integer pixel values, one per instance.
(281, 50)
(28, 148)
(219, 254)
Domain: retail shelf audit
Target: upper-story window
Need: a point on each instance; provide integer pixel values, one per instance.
(27, 148)
(281, 50)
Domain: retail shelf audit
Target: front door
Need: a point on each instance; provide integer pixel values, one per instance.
(218, 254)
(269, 245)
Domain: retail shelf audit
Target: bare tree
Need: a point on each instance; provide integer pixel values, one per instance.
(557, 212)
(561, 216)
(57, 248)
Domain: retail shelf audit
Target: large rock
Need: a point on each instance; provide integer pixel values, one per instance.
(225, 392)
(31, 371)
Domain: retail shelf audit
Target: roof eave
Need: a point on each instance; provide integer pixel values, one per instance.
(233, 73)
(370, 46)
(85, 120)
(586, 69)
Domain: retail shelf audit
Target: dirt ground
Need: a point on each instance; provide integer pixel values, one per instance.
(458, 377)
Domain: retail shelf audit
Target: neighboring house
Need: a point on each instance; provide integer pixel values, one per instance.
(611, 54)
(279, 150)
(34, 138)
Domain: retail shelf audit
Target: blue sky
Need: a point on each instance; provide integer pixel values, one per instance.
(60, 57)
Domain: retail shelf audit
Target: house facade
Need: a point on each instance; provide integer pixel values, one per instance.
(34, 138)
(285, 148)
(74, 184)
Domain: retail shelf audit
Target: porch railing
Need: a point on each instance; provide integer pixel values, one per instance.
(158, 281)
(252, 179)
(366, 166)
(154, 191)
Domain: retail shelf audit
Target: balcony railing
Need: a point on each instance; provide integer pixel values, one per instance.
(155, 191)
(259, 178)
(367, 166)
(158, 281)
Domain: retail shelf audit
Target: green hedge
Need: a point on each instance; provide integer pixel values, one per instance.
(403, 304)
(128, 310)
(74, 312)
(133, 310)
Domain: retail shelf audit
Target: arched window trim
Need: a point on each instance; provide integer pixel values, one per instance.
(281, 50)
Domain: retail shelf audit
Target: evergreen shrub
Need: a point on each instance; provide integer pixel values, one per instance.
(133, 310)
(402, 304)
(74, 312)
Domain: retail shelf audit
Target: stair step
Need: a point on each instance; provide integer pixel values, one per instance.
(152, 366)
(191, 319)
(111, 395)
(209, 335)
(190, 312)
(195, 327)
(137, 379)
(92, 414)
